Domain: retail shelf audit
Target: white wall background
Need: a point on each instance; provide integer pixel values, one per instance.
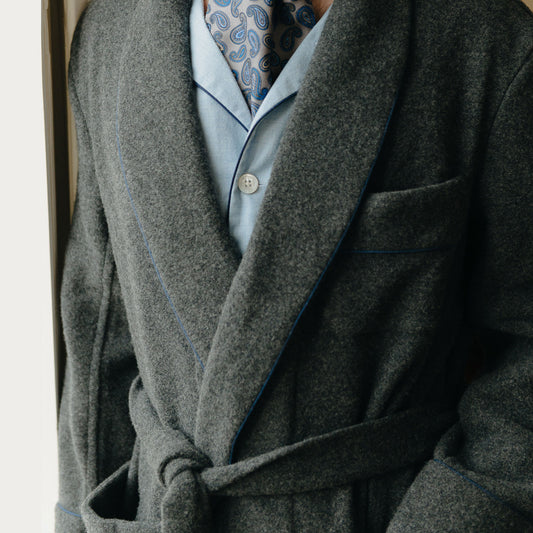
(28, 457)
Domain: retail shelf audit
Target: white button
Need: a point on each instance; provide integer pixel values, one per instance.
(248, 183)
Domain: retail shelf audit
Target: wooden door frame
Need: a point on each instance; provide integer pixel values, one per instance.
(58, 21)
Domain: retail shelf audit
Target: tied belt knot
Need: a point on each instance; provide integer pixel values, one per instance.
(333, 459)
(186, 504)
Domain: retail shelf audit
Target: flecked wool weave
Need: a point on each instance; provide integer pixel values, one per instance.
(322, 381)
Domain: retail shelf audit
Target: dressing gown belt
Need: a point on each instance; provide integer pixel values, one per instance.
(339, 457)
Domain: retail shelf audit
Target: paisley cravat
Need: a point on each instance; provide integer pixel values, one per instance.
(257, 38)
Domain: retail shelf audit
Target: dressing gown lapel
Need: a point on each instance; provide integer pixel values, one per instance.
(317, 182)
(238, 314)
(165, 164)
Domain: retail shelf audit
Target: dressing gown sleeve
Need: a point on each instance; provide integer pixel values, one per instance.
(480, 478)
(95, 434)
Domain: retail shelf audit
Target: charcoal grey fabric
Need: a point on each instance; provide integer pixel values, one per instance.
(366, 365)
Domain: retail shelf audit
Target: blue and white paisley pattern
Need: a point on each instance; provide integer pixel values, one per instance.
(235, 7)
(238, 56)
(238, 34)
(268, 41)
(257, 92)
(246, 72)
(220, 19)
(305, 16)
(257, 38)
(260, 17)
(253, 107)
(255, 43)
(268, 61)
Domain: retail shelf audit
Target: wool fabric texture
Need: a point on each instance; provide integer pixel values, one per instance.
(321, 381)
(257, 38)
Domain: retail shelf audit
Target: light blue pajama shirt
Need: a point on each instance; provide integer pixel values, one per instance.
(236, 143)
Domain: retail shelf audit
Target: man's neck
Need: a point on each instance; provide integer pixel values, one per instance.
(320, 7)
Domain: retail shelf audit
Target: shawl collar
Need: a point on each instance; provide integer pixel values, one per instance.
(239, 313)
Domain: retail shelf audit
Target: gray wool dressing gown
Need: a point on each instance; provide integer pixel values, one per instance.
(323, 380)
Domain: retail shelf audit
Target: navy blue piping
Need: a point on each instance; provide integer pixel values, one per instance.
(221, 104)
(400, 251)
(146, 240)
(486, 491)
(244, 148)
(317, 282)
(67, 511)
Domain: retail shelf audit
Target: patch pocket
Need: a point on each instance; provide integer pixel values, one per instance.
(420, 219)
